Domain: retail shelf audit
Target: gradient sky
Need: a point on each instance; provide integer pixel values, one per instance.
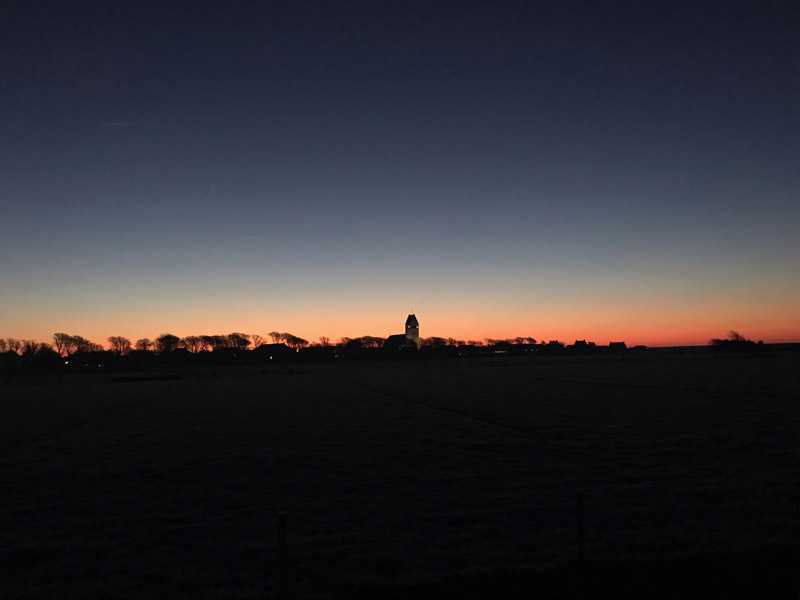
(561, 170)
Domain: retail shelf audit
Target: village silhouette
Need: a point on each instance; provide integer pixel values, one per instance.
(71, 352)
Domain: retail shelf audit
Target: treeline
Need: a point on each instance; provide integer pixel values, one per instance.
(277, 343)
(65, 344)
(735, 342)
(74, 354)
(68, 351)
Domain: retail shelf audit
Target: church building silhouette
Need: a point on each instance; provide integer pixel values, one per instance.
(409, 339)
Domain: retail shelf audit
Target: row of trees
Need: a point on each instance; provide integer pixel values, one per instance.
(370, 341)
(168, 342)
(65, 344)
(24, 347)
(438, 342)
(291, 340)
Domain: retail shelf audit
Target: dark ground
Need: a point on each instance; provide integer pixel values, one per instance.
(408, 480)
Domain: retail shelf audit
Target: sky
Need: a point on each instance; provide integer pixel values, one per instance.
(561, 170)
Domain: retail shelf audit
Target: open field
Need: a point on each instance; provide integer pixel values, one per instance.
(407, 480)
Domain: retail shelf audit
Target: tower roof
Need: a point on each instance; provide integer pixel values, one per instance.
(411, 321)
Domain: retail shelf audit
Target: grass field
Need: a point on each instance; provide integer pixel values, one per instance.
(408, 480)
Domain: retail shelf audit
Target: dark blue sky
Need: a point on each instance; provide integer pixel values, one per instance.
(488, 164)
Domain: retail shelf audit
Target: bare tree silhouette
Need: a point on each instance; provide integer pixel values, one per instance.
(193, 343)
(166, 342)
(240, 341)
(119, 345)
(84, 345)
(143, 345)
(370, 341)
(293, 341)
(64, 343)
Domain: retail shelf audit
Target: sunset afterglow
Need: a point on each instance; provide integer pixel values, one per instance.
(557, 173)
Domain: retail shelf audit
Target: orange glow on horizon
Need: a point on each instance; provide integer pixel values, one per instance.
(676, 330)
(677, 319)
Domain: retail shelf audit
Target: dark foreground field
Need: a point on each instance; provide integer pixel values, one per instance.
(455, 479)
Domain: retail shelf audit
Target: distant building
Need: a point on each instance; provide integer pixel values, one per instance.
(581, 347)
(409, 339)
(274, 352)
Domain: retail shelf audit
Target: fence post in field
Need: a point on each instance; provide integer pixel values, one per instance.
(283, 558)
(581, 526)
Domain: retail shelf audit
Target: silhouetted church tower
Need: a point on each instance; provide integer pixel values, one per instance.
(412, 329)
